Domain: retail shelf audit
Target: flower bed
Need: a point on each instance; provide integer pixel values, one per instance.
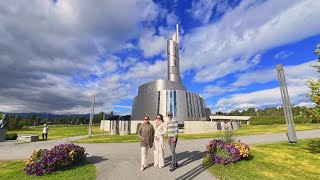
(225, 153)
(44, 161)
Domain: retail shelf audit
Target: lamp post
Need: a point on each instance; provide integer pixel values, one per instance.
(91, 116)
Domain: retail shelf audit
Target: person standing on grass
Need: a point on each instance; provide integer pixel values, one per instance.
(45, 131)
(172, 130)
(146, 135)
(158, 152)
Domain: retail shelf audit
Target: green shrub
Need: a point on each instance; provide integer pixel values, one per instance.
(269, 120)
(11, 136)
(227, 136)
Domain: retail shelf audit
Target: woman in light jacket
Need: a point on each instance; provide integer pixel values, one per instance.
(160, 130)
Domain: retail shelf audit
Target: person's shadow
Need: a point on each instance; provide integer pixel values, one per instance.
(96, 159)
(186, 157)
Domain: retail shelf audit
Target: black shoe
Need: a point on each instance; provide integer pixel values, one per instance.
(177, 165)
(172, 169)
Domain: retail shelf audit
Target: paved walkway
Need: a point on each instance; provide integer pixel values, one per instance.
(122, 160)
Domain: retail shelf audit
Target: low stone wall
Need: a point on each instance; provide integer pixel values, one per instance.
(194, 127)
(190, 127)
(121, 127)
(3, 133)
(28, 137)
(105, 125)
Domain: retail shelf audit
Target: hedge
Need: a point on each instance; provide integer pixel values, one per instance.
(269, 120)
(11, 136)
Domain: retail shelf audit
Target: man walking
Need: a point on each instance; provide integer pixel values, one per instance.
(146, 135)
(172, 129)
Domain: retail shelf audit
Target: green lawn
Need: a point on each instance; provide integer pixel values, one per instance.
(13, 170)
(253, 130)
(274, 161)
(60, 130)
(244, 130)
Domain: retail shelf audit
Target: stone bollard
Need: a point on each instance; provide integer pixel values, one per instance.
(114, 127)
(236, 125)
(124, 127)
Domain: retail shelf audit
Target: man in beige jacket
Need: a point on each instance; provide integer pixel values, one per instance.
(146, 135)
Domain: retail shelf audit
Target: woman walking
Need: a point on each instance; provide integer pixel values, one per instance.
(160, 130)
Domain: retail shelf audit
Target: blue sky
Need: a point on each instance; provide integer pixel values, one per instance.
(56, 55)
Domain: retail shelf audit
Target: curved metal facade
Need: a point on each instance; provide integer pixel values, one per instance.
(161, 96)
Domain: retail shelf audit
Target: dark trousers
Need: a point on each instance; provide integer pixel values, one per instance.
(44, 134)
(172, 146)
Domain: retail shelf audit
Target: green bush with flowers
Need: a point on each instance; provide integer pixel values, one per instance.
(225, 150)
(44, 161)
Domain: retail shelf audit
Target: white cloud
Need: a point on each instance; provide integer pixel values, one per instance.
(145, 70)
(50, 50)
(214, 90)
(295, 74)
(247, 30)
(172, 19)
(110, 66)
(283, 55)
(121, 106)
(263, 98)
(152, 44)
(229, 66)
(202, 10)
(296, 78)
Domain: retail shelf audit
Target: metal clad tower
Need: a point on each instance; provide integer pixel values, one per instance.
(161, 96)
(173, 57)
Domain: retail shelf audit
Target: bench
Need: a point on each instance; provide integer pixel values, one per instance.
(28, 137)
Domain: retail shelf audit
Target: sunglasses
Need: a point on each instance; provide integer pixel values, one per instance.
(158, 118)
(146, 119)
(169, 115)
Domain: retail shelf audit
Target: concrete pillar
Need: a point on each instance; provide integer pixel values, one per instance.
(3, 133)
(114, 127)
(124, 127)
(235, 124)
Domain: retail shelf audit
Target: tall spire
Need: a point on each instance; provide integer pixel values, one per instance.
(175, 36)
(173, 57)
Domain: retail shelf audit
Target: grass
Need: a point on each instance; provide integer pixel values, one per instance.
(244, 130)
(13, 170)
(253, 130)
(274, 161)
(106, 138)
(59, 131)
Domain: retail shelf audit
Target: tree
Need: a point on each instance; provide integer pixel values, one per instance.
(234, 113)
(249, 112)
(99, 117)
(313, 114)
(110, 116)
(220, 113)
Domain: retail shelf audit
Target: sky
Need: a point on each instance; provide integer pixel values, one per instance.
(55, 55)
